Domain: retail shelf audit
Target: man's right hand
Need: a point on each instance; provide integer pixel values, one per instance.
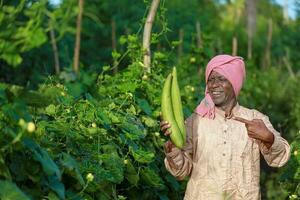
(165, 128)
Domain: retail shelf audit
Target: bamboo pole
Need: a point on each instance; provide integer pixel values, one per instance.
(287, 63)
(147, 35)
(114, 44)
(78, 32)
(249, 50)
(219, 46)
(269, 44)
(198, 36)
(180, 46)
(55, 51)
(251, 24)
(234, 46)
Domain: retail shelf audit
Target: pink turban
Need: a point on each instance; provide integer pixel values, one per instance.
(233, 69)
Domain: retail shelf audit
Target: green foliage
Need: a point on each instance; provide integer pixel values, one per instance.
(95, 134)
(290, 178)
(25, 34)
(10, 191)
(110, 137)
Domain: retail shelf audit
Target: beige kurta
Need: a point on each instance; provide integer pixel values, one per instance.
(221, 160)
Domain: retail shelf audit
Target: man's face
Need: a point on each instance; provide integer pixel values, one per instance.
(220, 89)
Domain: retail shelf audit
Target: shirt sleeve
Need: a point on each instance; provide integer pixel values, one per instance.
(279, 153)
(179, 161)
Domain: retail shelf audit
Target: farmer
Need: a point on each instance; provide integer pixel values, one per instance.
(224, 140)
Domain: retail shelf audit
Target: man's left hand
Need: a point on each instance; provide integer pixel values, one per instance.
(257, 129)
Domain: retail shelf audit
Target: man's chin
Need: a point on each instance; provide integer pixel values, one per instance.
(217, 102)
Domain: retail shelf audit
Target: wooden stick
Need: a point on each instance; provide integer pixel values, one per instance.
(78, 32)
(147, 35)
(269, 44)
(198, 36)
(180, 46)
(114, 44)
(55, 51)
(234, 46)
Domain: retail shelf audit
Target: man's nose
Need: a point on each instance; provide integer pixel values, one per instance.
(215, 83)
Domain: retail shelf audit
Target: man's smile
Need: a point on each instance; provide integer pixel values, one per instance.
(216, 93)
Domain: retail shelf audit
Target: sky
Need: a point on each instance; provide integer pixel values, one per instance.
(291, 10)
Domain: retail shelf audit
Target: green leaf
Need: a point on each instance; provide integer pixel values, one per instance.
(113, 117)
(104, 119)
(131, 110)
(112, 167)
(52, 196)
(12, 59)
(72, 167)
(173, 182)
(16, 111)
(151, 178)
(116, 55)
(297, 174)
(50, 110)
(175, 43)
(131, 175)
(141, 155)
(4, 171)
(38, 39)
(132, 131)
(163, 197)
(57, 186)
(75, 89)
(40, 155)
(145, 106)
(122, 40)
(9, 191)
(149, 121)
(127, 87)
(106, 68)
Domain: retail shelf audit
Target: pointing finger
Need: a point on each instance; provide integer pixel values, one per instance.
(243, 120)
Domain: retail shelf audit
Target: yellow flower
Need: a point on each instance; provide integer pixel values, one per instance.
(30, 127)
(145, 77)
(192, 59)
(130, 94)
(89, 177)
(295, 153)
(94, 125)
(293, 196)
(22, 122)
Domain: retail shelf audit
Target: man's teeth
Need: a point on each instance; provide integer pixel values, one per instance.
(216, 93)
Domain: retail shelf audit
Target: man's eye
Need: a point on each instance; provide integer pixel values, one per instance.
(217, 80)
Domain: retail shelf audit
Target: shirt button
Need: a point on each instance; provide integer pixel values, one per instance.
(224, 142)
(225, 131)
(224, 154)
